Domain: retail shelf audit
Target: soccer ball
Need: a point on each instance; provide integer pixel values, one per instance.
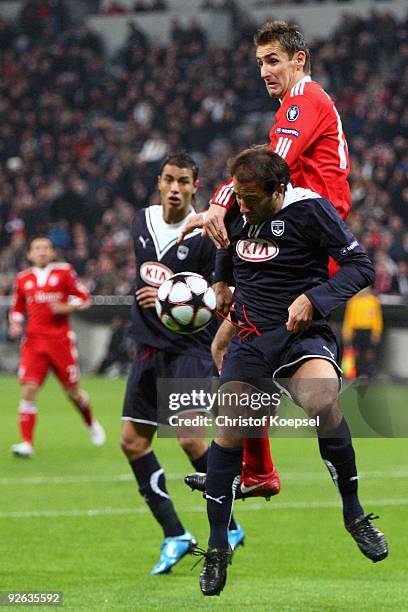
(185, 303)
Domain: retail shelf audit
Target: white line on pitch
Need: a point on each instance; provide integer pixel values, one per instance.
(39, 480)
(144, 510)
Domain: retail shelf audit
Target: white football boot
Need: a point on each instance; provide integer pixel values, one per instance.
(23, 449)
(97, 434)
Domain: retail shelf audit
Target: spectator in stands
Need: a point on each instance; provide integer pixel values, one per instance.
(115, 8)
(81, 135)
(158, 5)
(136, 38)
(399, 283)
(140, 7)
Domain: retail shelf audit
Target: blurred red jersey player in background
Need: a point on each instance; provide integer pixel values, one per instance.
(45, 295)
(308, 134)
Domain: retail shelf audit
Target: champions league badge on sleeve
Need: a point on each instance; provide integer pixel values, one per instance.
(293, 113)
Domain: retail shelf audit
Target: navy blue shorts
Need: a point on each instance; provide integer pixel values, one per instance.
(149, 365)
(275, 353)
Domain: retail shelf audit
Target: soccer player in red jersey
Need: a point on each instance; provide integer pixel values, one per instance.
(308, 134)
(46, 294)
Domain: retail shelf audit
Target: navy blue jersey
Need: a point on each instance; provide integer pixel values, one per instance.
(271, 264)
(157, 258)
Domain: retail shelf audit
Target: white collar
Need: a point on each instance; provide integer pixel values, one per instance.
(41, 274)
(164, 234)
(295, 194)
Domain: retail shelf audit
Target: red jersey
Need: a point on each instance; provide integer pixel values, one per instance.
(37, 288)
(308, 134)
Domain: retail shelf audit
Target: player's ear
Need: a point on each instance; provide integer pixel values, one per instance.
(300, 59)
(196, 185)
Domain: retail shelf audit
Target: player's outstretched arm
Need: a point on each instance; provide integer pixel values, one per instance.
(195, 222)
(221, 342)
(212, 221)
(15, 329)
(77, 293)
(68, 308)
(328, 232)
(17, 312)
(224, 297)
(212, 224)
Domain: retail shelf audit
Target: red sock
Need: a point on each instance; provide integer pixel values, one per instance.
(26, 422)
(257, 458)
(85, 408)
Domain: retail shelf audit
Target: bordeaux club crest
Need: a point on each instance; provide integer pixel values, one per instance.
(277, 227)
(182, 252)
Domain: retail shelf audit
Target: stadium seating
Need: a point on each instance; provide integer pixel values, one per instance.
(82, 136)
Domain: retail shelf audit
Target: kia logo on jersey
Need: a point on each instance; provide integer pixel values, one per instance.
(277, 227)
(257, 249)
(293, 113)
(154, 273)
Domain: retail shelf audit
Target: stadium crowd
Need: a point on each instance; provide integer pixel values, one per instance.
(116, 7)
(82, 136)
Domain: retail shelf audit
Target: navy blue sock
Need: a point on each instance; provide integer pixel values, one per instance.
(338, 454)
(200, 465)
(152, 486)
(224, 464)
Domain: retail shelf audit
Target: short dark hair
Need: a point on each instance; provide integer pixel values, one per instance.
(181, 160)
(39, 237)
(261, 165)
(287, 35)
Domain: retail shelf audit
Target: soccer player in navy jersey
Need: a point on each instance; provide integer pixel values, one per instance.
(307, 132)
(165, 354)
(280, 241)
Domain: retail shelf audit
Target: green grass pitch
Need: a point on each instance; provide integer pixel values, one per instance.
(71, 519)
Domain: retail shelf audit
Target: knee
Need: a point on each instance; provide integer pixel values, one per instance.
(316, 405)
(134, 446)
(29, 397)
(73, 394)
